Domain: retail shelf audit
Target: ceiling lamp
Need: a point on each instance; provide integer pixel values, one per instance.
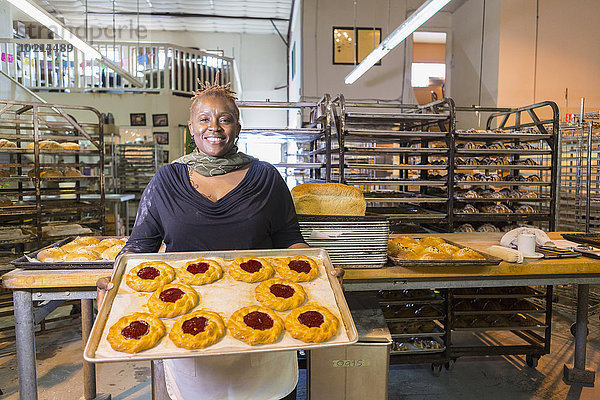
(412, 23)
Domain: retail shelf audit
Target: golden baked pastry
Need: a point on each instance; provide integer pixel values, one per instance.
(200, 272)
(447, 248)
(149, 276)
(70, 146)
(405, 240)
(98, 248)
(5, 143)
(51, 173)
(279, 294)
(82, 255)
(433, 253)
(52, 254)
(197, 330)
(112, 252)
(312, 323)
(109, 242)
(86, 240)
(4, 173)
(297, 268)
(251, 269)
(136, 332)
(255, 325)
(467, 254)
(72, 246)
(328, 199)
(172, 300)
(431, 241)
(71, 172)
(50, 144)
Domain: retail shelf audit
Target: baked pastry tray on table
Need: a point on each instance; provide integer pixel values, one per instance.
(30, 260)
(224, 297)
(487, 260)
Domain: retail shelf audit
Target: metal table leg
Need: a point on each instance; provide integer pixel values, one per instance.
(578, 374)
(89, 369)
(25, 340)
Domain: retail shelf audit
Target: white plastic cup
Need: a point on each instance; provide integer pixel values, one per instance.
(526, 244)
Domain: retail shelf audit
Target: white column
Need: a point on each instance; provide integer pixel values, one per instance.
(6, 23)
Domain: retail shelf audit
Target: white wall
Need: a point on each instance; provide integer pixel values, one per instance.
(6, 26)
(380, 82)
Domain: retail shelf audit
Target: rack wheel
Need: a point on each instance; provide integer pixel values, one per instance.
(436, 369)
(532, 361)
(574, 328)
(449, 365)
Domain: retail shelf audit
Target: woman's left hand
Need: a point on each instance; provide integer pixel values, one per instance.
(339, 274)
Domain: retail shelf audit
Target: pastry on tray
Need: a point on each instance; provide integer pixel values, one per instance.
(312, 323)
(250, 269)
(280, 294)
(82, 255)
(136, 332)
(297, 268)
(51, 254)
(467, 254)
(255, 325)
(172, 300)
(149, 276)
(109, 242)
(200, 272)
(197, 330)
(112, 252)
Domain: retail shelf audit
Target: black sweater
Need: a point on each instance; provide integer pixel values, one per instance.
(257, 214)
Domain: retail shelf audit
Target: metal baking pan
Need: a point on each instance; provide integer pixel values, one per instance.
(502, 152)
(228, 295)
(26, 262)
(488, 260)
(437, 332)
(592, 239)
(412, 349)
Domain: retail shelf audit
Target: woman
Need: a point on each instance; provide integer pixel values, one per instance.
(217, 198)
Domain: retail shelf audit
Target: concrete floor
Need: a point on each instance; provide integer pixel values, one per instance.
(60, 377)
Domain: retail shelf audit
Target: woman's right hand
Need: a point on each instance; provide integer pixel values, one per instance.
(103, 285)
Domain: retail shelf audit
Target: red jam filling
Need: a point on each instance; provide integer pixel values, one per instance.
(135, 330)
(171, 295)
(300, 266)
(251, 266)
(284, 291)
(197, 268)
(148, 273)
(312, 319)
(258, 320)
(194, 326)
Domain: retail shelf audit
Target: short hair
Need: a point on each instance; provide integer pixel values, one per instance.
(208, 89)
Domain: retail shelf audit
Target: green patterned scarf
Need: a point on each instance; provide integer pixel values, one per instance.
(207, 165)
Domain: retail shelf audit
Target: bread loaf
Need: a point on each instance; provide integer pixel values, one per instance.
(328, 199)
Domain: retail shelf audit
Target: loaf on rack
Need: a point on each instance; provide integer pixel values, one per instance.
(4, 173)
(7, 144)
(71, 172)
(70, 146)
(328, 199)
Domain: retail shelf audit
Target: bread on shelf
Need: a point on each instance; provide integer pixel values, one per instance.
(328, 199)
(7, 144)
(5, 201)
(72, 172)
(4, 173)
(70, 146)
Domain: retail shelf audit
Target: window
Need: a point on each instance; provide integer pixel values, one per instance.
(352, 45)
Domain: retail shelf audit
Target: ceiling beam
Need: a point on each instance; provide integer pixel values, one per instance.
(184, 15)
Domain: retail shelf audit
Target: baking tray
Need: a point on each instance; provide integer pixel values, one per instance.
(488, 260)
(416, 350)
(123, 300)
(25, 263)
(592, 239)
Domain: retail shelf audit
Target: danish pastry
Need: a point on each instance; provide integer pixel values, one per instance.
(86, 240)
(312, 323)
(197, 330)
(431, 241)
(297, 268)
(279, 294)
(251, 269)
(149, 276)
(136, 332)
(172, 300)
(51, 254)
(111, 242)
(112, 252)
(255, 325)
(467, 254)
(200, 272)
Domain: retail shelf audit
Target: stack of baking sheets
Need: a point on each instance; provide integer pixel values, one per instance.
(352, 242)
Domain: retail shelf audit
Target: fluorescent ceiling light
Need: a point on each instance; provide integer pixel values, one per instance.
(412, 23)
(55, 26)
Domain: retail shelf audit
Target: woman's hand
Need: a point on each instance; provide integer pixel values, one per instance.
(103, 285)
(339, 274)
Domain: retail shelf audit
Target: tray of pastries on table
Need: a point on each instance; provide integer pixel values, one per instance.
(434, 251)
(173, 305)
(80, 252)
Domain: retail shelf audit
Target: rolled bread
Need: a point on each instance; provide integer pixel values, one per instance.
(328, 199)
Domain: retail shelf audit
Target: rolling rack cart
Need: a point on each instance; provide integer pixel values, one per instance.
(508, 174)
(38, 197)
(399, 155)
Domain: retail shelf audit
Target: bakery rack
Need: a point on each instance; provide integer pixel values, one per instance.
(40, 203)
(136, 165)
(507, 174)
(579, 200)
(399, 155)
(303, 145)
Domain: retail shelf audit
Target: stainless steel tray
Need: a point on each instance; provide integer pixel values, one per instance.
(415, 350)
(488, 260)
(236, 293)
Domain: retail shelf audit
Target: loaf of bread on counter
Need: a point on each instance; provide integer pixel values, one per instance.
(328, 199)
